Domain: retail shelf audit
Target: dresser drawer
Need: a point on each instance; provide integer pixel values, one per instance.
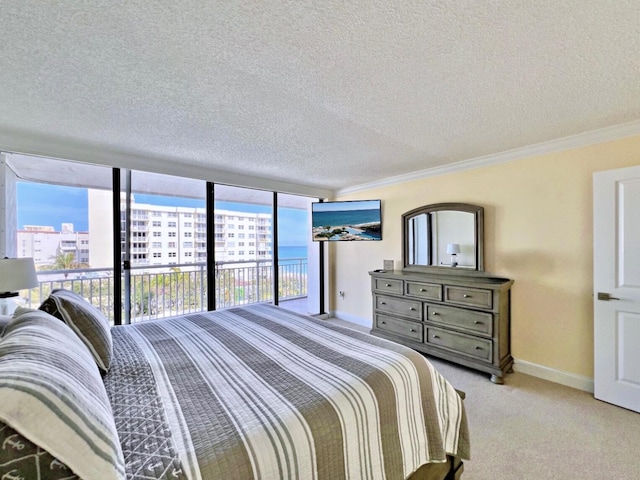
(406, 328)
(477, 322)
(407, 308)
(473, 297)
(429, 291)
(387, 285)
(475, 347)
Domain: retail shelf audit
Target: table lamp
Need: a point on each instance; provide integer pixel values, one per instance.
(453, 249)
(15, 274)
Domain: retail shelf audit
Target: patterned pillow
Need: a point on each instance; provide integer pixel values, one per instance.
(86, 320)
(20, 458)
(52, 394)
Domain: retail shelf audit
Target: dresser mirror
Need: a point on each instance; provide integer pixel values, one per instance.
(444, 236)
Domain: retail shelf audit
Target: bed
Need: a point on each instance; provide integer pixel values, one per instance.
(250, 392)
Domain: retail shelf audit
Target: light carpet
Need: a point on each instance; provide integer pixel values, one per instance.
(533, 429)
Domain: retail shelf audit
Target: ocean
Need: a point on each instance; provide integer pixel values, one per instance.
(345, 217)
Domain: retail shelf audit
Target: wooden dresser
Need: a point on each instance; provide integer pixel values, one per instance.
(460, 318)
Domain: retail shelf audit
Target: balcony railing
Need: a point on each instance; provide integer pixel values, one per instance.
(169, 290)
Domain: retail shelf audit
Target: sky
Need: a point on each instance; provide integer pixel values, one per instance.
(53, 205)
(346, 205)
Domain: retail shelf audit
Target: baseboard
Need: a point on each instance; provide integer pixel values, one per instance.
(557, 376)
(347, 317)
(540, 371)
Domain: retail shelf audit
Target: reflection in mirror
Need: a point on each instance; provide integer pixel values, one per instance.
(448, 228)
(444, 235)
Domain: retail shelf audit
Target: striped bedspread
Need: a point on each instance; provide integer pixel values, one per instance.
(261, 392)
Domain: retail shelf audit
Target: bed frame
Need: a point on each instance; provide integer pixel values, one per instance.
(451, 470)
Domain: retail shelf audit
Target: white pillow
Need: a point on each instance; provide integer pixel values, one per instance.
(52, 394)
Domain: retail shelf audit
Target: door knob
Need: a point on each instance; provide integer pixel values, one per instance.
(606, 296)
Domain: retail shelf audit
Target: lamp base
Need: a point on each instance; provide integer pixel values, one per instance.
(7, 305)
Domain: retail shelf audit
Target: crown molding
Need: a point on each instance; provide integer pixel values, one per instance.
(565, 143)
(11, 141)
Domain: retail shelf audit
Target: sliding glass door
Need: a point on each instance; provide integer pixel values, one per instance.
(164, 245)
(243, 250)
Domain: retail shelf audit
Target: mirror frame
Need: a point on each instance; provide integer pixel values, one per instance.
(478, 213)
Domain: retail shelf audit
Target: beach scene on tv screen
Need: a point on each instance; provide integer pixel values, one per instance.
(336, 221)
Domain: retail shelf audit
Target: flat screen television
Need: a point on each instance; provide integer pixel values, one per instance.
(354, 220)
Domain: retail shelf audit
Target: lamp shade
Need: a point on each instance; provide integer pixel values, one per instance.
(17, 274)
(453, 248)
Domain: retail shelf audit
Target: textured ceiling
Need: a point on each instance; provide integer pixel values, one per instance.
(328, 94)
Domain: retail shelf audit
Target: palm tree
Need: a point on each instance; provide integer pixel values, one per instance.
(64, 261)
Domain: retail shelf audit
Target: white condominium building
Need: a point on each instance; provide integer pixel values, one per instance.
(172, 235)
(44, 244)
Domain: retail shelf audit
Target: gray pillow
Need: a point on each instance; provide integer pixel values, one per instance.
(4, 321)
(86, 320)
(51, 393)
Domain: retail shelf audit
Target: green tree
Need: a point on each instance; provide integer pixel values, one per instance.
(64, 261)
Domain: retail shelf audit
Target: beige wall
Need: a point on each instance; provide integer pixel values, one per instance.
(538, 231)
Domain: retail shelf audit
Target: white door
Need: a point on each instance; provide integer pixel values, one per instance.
(616, 282)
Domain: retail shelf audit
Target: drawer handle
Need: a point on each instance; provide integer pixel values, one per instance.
(383, 303)
(466, 296)
(422, 290)
(387, 284)
(478, 348)
(412, 309)
(383, 323)
(412, 330)
(435, 313)
(436, 336)
(477, 322)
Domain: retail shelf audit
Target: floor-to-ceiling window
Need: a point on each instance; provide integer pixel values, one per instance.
(63, 221)
(298, 256)
(243, 249)
(164, 245)
(176, 246)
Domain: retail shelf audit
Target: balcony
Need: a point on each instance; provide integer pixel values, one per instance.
(168, 290)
